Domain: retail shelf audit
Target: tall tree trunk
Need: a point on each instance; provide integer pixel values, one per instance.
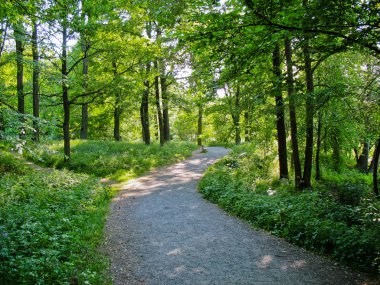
(19, 35)
(36, 83)
(280, 122)
(236, 117)
(318, 150)
(200, 125)
(116, 129)
(144, 109)
(158, 106)
(292, 114)
(309, 117)
(85, 47)
(65, 97)
(165, 102)
(84, 119)
(362, 161)
(247, 127)
(375, 168)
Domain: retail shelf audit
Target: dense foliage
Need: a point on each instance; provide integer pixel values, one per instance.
(339, 218)
(51, 224)
(118, 160)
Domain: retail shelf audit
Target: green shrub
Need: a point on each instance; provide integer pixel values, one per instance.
(119, 160)
(339, 217)
(50, 227)
(9, 164)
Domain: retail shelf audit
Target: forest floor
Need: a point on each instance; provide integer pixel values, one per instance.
(161, 231)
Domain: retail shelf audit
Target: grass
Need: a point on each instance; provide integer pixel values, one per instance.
(51, 224)
(339, 217)
(117, 160)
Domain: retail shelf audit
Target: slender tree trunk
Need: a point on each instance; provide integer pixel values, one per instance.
(116, 129)
(292, 114)
(65, 97)
(318, 150)
(84, 120)
(19, 34)
(247, 127)
(165, 103)
(36, 83)
(158, 106)
(280, 122)
(236, 117)
(144, 109)
(200, 125)
(362, 161)
(309, 117)
(375, 168)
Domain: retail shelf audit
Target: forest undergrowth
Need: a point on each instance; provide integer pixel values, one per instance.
(52, 222)
(338, 217)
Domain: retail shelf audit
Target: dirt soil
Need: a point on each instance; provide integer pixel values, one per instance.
(161, 231)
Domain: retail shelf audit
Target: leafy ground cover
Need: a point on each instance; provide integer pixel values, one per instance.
(339, 217)
(117, 160)
(51, 224)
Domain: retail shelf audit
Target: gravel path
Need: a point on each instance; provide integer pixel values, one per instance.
(161, 231)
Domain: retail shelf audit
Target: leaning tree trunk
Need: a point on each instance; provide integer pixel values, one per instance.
(292, 114)
(65, 97)
(158, 106)
(36, 84)
(375, 168)
(309, 117)
(144, 109)
(280, 122)
(200, 125)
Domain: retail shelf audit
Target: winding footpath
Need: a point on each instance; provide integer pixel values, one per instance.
(161, 231)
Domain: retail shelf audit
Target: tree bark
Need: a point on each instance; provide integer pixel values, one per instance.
(236, 117)
(318, 150)
(158, 106)
(292, 114)
(19, 34)
(200, 125)
(375, 168)
(309, 117)
(280, 122)
(247, 127)
(362, 161)
(116, 128)
(36, 83)
(65, 97)
(165, 102)
(144, 109)
(84, 119)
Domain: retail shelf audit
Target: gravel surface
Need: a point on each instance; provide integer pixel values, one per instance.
(161, 231)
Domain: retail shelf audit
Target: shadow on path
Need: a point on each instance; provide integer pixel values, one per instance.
(161, 231)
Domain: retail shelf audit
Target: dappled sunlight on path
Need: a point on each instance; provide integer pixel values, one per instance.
(160, 231)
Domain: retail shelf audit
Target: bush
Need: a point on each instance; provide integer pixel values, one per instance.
(50, 227)
(119, 160)
(8, 164)
(337, 218)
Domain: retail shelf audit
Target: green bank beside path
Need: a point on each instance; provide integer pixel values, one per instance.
(338, 217)
(51, 222)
